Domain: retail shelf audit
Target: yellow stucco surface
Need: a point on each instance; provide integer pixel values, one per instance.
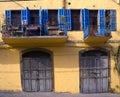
(66, 63)
(65, 57)
(10, 70)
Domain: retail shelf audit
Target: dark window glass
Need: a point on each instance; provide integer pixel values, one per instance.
(75, 20)
(34, 17)
(53, 18)
(93, 17)
(16, 18)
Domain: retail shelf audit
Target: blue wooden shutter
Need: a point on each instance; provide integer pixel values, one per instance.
(40, 16)
(85, 18)
(45, 16)
(101, 21)
(8, 16)
(113, 20)
(68, 19)
(25, 16)
(28, 15)
(60, 20)
(44, 20)
(40, 21)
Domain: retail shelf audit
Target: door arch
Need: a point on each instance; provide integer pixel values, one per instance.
(37, 71)
(94, 71)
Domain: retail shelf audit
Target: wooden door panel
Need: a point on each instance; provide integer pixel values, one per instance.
(37, 74)
(34, 85)
(26, 74)
(27, 85)
(42, 84)
(49, 84)
(34, 75)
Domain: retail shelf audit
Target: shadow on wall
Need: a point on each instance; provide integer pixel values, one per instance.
(9, 56)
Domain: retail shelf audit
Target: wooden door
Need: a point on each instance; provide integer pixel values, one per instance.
(37, 74)
(94, 74)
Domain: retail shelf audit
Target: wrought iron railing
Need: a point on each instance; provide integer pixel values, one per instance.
(94, 31)
(30, 30)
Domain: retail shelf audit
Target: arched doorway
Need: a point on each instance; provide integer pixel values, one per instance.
(37, 71)
(94, 71)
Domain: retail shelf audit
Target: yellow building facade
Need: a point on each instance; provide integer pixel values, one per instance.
(60, 63)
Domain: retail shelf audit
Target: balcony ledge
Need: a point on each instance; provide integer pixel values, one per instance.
(35, 41)
(97, 39)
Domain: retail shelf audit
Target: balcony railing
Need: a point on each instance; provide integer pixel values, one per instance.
(97, 34)
(30, 30)
(94, 31)
(33, 36)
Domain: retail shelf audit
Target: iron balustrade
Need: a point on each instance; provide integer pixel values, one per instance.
(30, 30)
(94, 31)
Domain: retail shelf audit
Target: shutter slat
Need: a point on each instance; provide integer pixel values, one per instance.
(45, 19)
(85, 18)
(40, 16)
(68, 19)
(45, 16)
(85, 21)
(40, 21)
(8, 16)
(113, 20)
(101, 21)
(28, 15)
(61, 14)
(82, 17)
(25, 16)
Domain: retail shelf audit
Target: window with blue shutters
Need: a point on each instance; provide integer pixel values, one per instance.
(64, 19)
(43, 20)
(8, 16)
(101, 21)
(113, 20)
